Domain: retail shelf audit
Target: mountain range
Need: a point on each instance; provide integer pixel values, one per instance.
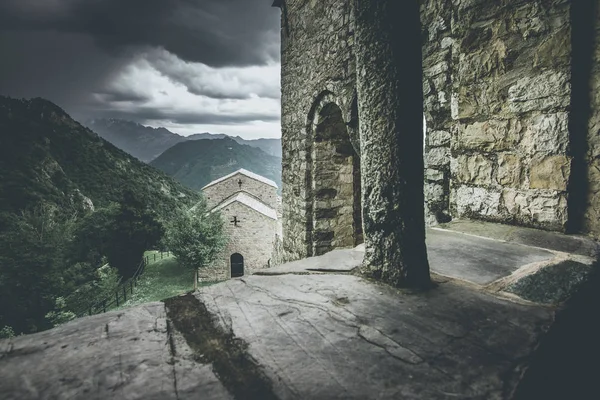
(198, 162)
(147, 143)
(46, 156)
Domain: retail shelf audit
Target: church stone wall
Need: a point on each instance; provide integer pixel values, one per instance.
(436, 20)
(502, 70)
(218, 192)
(503, 142)
(253, 238)
(317, 63)
(591, 150)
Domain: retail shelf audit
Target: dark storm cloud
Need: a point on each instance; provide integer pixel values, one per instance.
(214, 32)
(145, 114)
(224, 83)
(64, 68)
(73, 51)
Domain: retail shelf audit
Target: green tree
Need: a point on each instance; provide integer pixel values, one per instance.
(119, 232)
(32, 266)
(196, 237)
(135, 230)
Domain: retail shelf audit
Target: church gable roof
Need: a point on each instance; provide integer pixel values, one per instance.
(248, 201)
(244, 172)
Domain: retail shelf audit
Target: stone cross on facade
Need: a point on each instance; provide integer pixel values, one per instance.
(235, 221)
(240, 183)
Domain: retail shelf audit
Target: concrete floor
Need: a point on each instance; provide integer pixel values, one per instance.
(313, 329)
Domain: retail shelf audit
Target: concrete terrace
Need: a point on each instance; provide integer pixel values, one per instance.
(314, 329)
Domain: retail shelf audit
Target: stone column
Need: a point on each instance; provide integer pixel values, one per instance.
(390, 115)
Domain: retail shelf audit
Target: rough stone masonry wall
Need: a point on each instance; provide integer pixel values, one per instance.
(509, 67)
(592, 158)
(317, 64)
(253, 238)
(215, 194)
(436, 18)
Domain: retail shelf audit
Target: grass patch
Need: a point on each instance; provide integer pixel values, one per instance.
(162, 279)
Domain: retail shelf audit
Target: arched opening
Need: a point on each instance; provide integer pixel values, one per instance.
(237, 265)
(336, 209)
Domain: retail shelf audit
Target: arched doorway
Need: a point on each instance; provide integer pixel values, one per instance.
(237, 265)
(335, 185)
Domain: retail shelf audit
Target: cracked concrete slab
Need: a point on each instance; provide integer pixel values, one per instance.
(341, 260)
(477, 259)
(341, 337)
(458, 255)
(118, 355)
(310, 330)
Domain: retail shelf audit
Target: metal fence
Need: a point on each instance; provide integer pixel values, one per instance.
(119, 296)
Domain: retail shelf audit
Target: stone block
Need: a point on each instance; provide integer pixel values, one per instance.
(434, 175)
(490, 135)
(474, 169)
(540, 92)
(549, 172)
(437, 157)
(547, 133)
(438, 138)
(535, 207)
(433, 191)
(555, 50)
(510, 170)
(474, 201)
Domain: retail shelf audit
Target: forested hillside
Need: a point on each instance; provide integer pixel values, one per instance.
(70, 202)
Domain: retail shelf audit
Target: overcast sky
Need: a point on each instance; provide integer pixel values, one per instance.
(188, 65)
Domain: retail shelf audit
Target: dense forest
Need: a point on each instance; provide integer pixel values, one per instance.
(70, 203)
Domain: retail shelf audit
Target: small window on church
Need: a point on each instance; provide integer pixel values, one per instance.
(240, 183)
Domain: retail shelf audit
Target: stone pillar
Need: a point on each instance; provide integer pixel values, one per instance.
(390, 115)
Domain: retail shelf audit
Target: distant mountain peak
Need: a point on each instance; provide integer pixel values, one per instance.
(147, 143)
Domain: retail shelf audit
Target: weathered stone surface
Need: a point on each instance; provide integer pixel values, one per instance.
(477, 259)
(433, 191)
(546, 91)
(496, 85)
(510, 170)
(547, 133)
(555, 50)
(489, 135)
(538, 209)
(391, 134)
(437, 157)
(317, 68)
(129, 354)
(438, 138)
(574, 244)
(311, 335)
(476, 170)
(552, 284)
(476, 201)
(550, 172)
(434, 175)
(591, 216)
(316, 333)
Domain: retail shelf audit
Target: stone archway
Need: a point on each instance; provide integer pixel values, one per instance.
(237, 265)
(335, 213)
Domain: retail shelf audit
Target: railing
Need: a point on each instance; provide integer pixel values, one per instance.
(120, 294)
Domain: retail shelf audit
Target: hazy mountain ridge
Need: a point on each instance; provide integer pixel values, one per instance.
(147, 143)
(46, 156)
(196, 163)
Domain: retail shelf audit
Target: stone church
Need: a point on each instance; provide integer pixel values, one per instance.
(248, 205)
(509, 92)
